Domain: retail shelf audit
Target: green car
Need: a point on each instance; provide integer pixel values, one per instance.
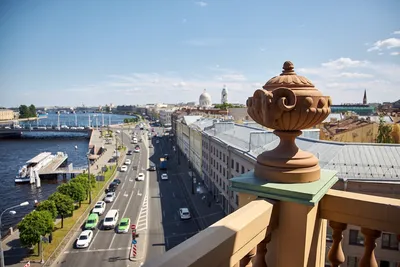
(123, 226)
(92, 221)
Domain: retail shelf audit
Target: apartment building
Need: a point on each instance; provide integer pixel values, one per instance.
(165, 117)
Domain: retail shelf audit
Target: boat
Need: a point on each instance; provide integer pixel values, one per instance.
(29, 173)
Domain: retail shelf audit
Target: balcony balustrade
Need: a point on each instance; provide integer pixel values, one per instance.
(242, 238)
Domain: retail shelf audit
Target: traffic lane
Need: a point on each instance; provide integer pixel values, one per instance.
(98, 258)
(172, 200)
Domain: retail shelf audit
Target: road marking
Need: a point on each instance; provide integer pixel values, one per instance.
(125, 194)
(94, 250)
(123, 184)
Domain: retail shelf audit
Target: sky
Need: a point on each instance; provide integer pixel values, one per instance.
(97, 52)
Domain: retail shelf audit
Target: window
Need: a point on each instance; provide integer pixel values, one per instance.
(223, 158)
(237, 166)
(352, 261)
(237, 200)
(389, 241)
(233, 164)
(356, 238)
(242, 169)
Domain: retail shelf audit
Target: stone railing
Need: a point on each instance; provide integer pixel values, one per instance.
(241, 238)
(225, 243)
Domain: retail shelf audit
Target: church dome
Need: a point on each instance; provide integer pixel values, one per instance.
(205, 99)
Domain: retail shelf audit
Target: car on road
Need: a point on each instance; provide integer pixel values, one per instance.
(117, 181)
(92, 221)
(166, 156)
(84, 239)
(118, 131)
(128, 162)
(113, 184)
(99, 208)
(111, 219)
(140, 177)
(129, 152)
(164, 176)
(152, 167)
(123, 226)
(111, 188)
(124, 168)
(137, 149)
(109, 197)
(184, 213)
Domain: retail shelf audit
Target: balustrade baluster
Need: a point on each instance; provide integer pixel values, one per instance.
(261, 252)
(368, 259)
(336, 255)
(247, 260)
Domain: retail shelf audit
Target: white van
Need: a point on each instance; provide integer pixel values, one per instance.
(111, 219)
(134, 140)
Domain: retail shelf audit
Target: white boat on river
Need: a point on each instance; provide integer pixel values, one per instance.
(29, 173)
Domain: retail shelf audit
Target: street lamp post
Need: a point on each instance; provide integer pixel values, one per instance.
(1, 244)
(90, 186)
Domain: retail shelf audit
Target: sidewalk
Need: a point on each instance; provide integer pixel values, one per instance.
(14, 253)
(205, 209)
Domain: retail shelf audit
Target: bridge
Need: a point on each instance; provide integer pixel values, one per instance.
(4, 132)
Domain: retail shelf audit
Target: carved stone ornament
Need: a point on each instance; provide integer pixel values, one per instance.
(288, 103)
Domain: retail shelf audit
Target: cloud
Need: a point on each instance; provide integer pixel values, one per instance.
(204, 42)
(395, 53)
(201, 3)
(386, 43)
(396, 32)
(345, 79)
(235, 77)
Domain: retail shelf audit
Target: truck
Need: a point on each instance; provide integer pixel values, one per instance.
(163, 164)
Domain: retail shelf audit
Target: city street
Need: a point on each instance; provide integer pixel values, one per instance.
(109, 248)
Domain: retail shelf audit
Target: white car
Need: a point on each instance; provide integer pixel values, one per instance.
(124, 168)
(164, 176)
(99, 208)
(109, 197)
(84, 239)
(137, 150)
(140, 177)
(128, 162)
(184, 213)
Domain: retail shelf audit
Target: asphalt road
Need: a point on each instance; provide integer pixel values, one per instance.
(166, 229)
(109, 248)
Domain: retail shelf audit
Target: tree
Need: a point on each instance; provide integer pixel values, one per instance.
(34, 225)
(384, 132)
(75, 191)
(32, 110)
(64, 204)
(23, 111)
(49, 206)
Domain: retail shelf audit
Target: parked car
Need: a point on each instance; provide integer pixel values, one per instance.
(184, 213)
(84, 239)
(117, 181)
(123, 226)
(124, 168)
(129, 152)
(152, 167)
(164, 176)
(92, 221)
(99, 208)
(109, 197)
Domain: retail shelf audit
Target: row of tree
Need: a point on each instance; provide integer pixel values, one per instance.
(225, 106)
(61, 203)
(27, 112)
(131, 120)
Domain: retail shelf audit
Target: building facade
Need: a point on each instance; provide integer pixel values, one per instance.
(165, 117)
(6, 114)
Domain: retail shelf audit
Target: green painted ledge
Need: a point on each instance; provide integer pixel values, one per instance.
(302, 193)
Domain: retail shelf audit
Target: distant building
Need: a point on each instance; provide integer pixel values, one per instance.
(165, 117)
(126, 109)
(205, 100)
(224, 95)
(6, 114)
(360, 109)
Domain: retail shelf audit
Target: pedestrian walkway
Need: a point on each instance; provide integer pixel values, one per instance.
(206, 210)
(14, 253)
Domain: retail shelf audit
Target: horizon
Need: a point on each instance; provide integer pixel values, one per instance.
(69, 53)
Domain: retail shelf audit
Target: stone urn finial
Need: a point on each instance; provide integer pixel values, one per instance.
(288, 103)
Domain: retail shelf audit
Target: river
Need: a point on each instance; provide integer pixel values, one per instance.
(15, 152)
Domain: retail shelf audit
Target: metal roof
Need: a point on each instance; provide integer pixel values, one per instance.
(191, 119)
(39, 157)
